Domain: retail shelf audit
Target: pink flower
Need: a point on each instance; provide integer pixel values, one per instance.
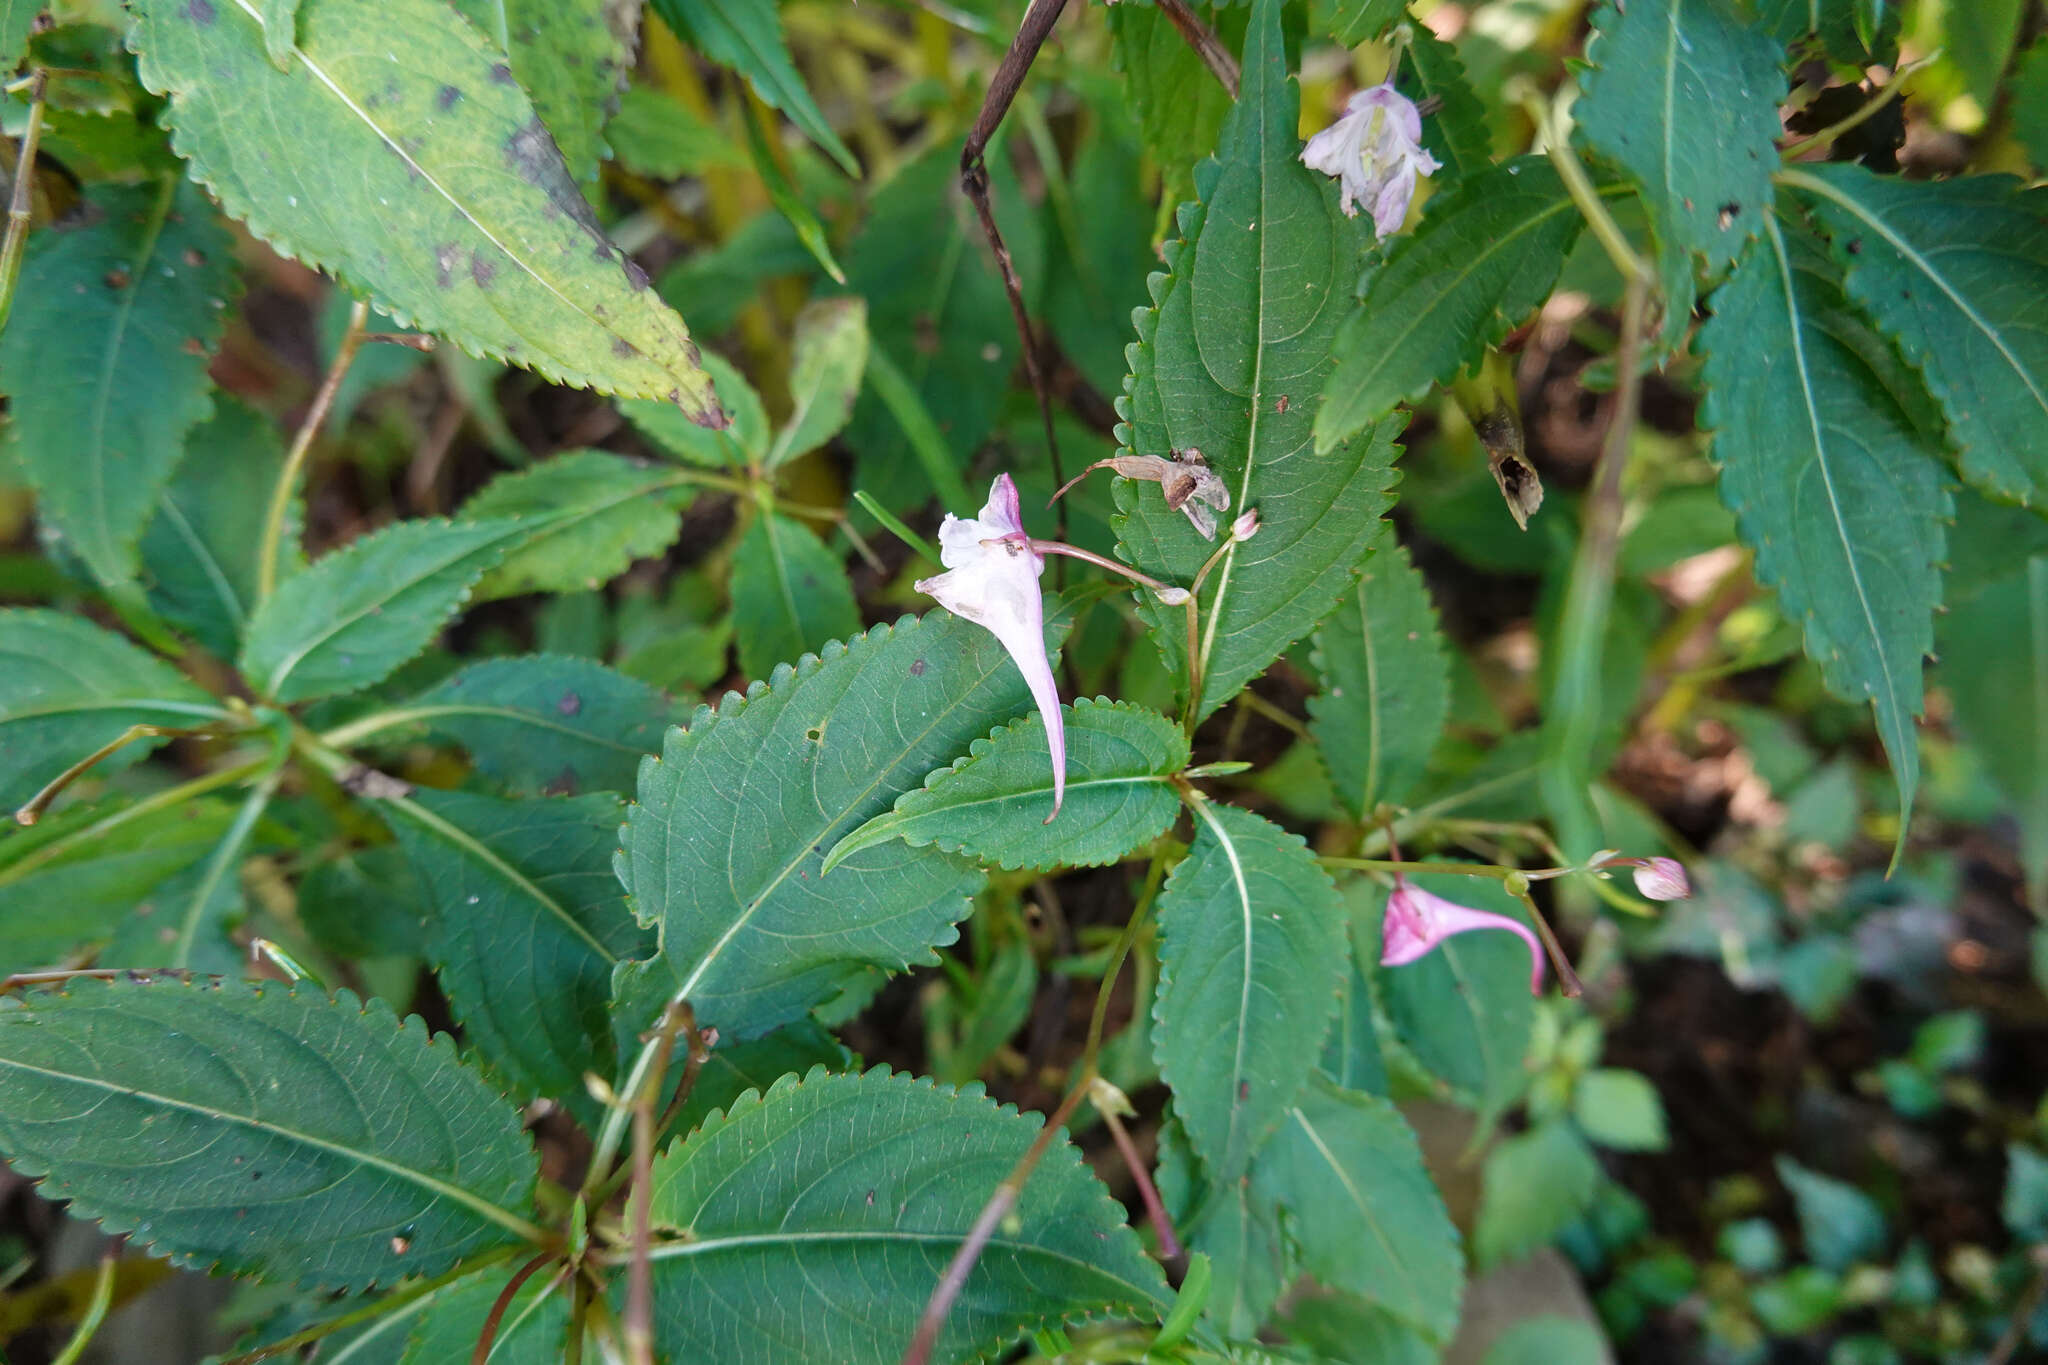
(991, 579)
(1375, 151)
(1662, 879)
(1417, 921)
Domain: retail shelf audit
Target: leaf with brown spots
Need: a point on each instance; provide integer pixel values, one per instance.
(570, 56)
(459, 217)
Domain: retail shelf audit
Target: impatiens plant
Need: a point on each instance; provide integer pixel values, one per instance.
(507, 853)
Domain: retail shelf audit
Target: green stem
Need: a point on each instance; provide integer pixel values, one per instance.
(390, 1303)
(295, 459)
(223, 862)
(1553, 123)
(148, 805)
(95, 1312)
(20, 207)
(894, 525)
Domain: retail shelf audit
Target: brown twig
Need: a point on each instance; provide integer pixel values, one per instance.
(295, 459)
(639, 1325)
(1002, 89)
(1206, 44)
(20, 205)
(488, 1337)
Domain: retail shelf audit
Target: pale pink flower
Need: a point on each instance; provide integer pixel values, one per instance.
(991, 579)
(1417, 922)
(1375, 150)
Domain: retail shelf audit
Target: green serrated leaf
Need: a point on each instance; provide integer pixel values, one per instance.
(723, 848)
(530, 1330)
(357, 614)
(830, 353)
(1352, 22)
(1831, 487)
(262, 1131)
(790, 594)
(1464, 1010)
(936, 307)
(1954, 273)
(524, 926)
(1850, 31)
(571, 56)
(428, 181)
(1994, 664)
(1457, 133)
(104, 361)
(67, 687)
(1386, 684)
(1362, 1209)
(1251, 953)
(1232, 361)
(746, 35)
(1485, 256)
(857, 1191)
(76, 860)
(1533, 1185)
(992, 805)
(733, 1069)
(199, 552)
(729, 447)
(1684, 97)
(601, 512)
(364, 904)
(1250, 1260)
(545, 722)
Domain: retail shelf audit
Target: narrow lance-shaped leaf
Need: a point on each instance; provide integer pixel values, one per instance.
(1458, 132)
(1386, 684)
(1250, 1260)
(1954, 273)
(104, 361)
(850, 1194)
(992, 804)
(360, 612)
(1684, 95)
(1250, 955)
(103, 863)
(1233, 362)
(723, 850)
(269, 1132)
(525, 923)
(429, 181)
(67, 687)
(1839, 497)
(543, 722)
(601, 512)
(790, 594)
(746, 35)
(200, 552)
(1366, 1215)
(1484, 257)
(572, 57)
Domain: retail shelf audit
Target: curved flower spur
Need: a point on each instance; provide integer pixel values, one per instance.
(991, 578)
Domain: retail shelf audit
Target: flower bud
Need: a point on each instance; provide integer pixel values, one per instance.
(1246, 526)
(1662, 879)
(1172, 597)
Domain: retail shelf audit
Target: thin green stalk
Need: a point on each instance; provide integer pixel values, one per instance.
(295, 459)
(894, 525)
(223, 863)
(95, 1311)
(148, 805)
(20, 206)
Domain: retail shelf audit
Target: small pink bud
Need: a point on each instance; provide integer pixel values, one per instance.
(1662, 879)
(1246, 526)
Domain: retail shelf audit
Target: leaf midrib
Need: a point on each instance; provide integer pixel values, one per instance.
(1244, 1000)
(1365, 1210)
(476, 1203)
